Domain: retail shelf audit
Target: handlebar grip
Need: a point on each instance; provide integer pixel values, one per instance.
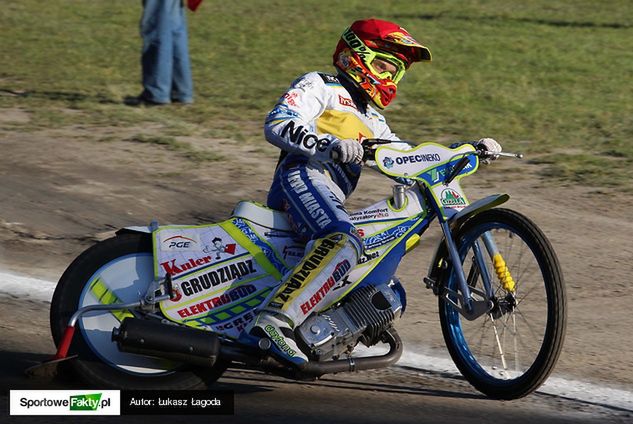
(368, 154)
(369, 147)
(485, 154)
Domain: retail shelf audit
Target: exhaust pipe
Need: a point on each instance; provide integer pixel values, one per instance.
(359, 364)
(313, 370)
(154, 338)
(202, 348)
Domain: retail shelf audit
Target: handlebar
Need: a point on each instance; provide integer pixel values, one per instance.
(509, 155)
(370, 145)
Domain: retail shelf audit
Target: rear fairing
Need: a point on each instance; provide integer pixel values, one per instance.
(221, 271)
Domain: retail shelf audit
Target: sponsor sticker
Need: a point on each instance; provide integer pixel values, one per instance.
(219, 249)
(174, 268)
(366, 257)
(179, 242)
(238, 324)
(310, 266)
(302, 136)
(344, 101)
(340, 271)
(279, 340)
(329, 79)
(218, 276)
(452, 198)
(291, 99)
(223, 299)
(308, 200)
(387, 236)
(370, 214)
(429, 157)
(304, 84)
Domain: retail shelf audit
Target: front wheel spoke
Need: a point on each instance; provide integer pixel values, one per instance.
(522, 271)
(501, 352)
(517, 363)
(529, 349)
(509, 330)
(479, 335)
(527, 323)
(527, 293)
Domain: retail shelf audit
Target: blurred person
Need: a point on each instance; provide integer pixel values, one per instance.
(166, 68)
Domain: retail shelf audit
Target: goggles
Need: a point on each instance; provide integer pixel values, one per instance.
(394, 76)
(368, 56)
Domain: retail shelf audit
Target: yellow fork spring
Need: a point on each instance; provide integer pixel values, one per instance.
(503, 273)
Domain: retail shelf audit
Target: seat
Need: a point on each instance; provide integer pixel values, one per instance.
(262, 215)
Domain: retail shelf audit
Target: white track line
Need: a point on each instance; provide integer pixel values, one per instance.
(27, 288)
(555, 385)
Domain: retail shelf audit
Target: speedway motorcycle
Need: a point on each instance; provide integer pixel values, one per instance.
(162, 307)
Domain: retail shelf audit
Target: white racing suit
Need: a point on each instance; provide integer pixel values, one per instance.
(315, 112)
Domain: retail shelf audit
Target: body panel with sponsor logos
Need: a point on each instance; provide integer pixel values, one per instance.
(221, 272)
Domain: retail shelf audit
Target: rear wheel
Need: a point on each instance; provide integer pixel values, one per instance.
(510, 351)
(119, 269)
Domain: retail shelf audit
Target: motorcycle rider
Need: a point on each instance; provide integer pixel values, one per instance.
(319, 124)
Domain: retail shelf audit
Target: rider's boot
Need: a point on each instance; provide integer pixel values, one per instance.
(303, 290)
(277, 328)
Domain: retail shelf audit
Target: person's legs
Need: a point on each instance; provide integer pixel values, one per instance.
(157, 53)
(182, 83)
(315, 208)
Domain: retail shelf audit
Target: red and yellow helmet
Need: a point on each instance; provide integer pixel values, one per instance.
(370, 39)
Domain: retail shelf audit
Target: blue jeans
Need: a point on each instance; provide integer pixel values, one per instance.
(165, 57)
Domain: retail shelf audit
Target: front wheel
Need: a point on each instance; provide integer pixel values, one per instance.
(117, 270)
(510, 351)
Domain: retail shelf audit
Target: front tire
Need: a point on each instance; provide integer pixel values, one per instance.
(510, 351)
(119, 269)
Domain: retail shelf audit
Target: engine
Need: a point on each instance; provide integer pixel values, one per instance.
(362, 317)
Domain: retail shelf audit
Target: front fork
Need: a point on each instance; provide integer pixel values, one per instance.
(467, 305)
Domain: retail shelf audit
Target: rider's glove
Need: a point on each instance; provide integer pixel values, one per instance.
(490, 147)
(346, 151)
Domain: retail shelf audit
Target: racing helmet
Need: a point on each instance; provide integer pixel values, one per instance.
(370, 39)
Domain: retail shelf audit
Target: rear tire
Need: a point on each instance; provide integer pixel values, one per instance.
(124, 265)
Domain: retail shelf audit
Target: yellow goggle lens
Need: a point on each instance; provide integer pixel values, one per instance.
(397, 63)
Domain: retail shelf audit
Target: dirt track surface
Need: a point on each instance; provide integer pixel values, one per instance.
(61, 190)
